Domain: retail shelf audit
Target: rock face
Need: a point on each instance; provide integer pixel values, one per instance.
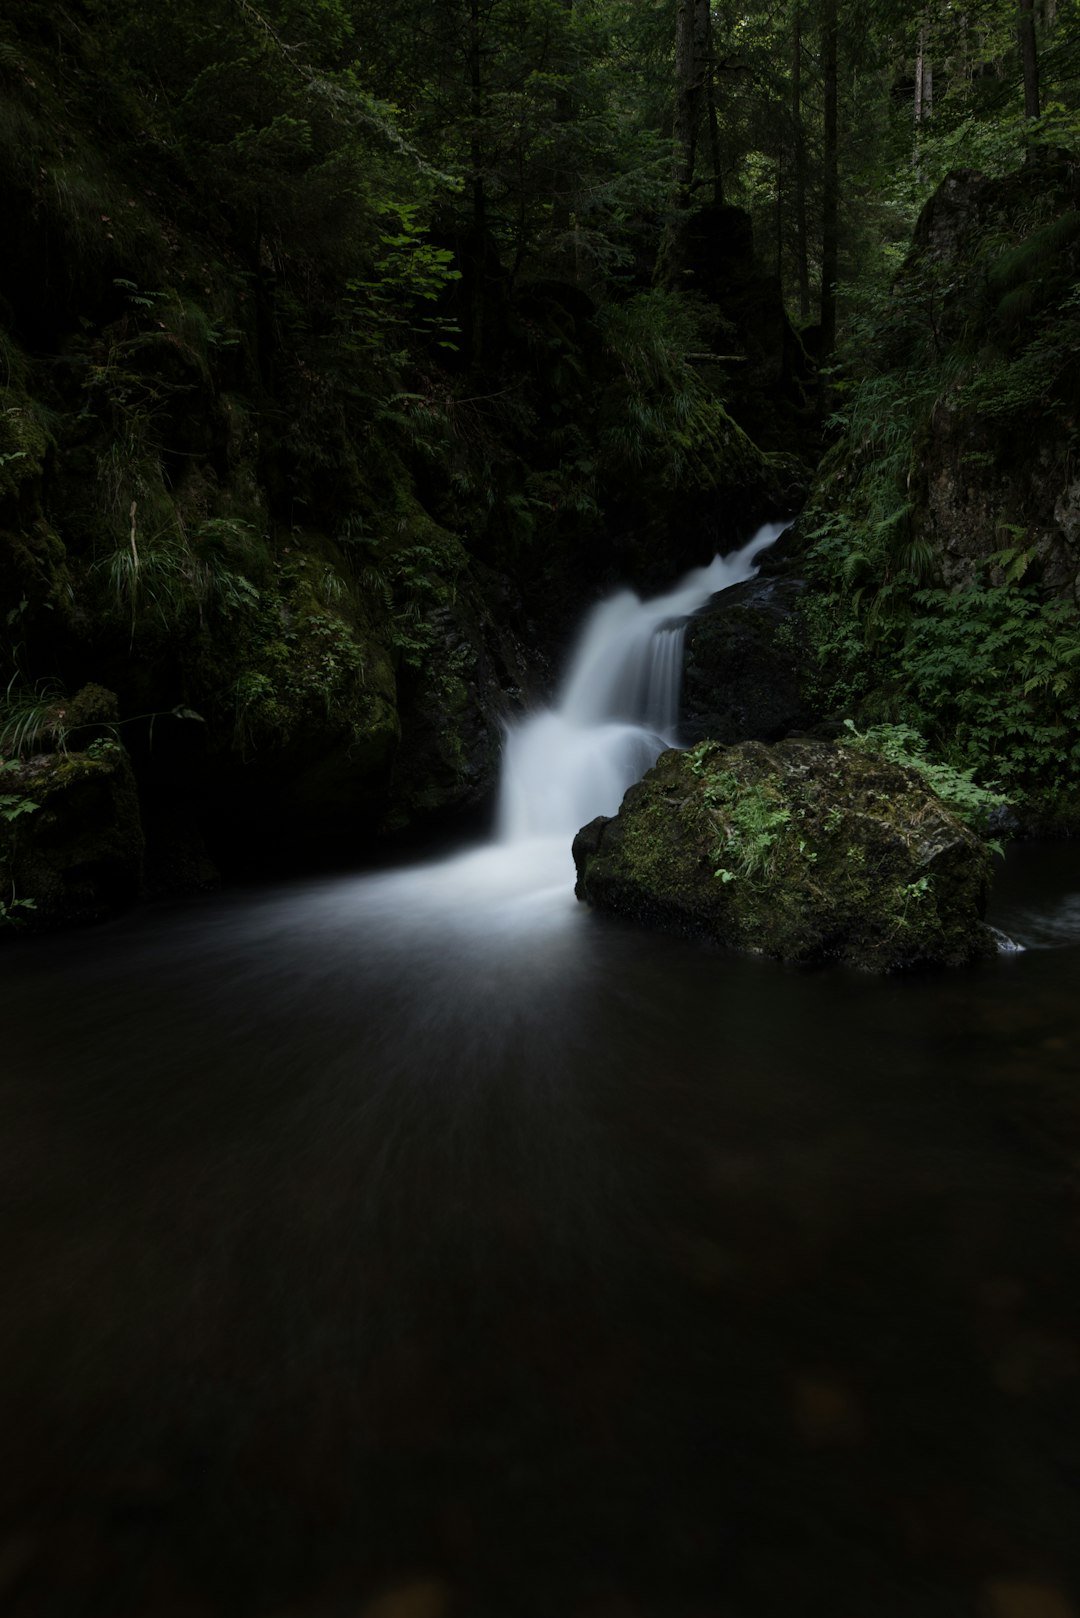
(807, 851)
(996, 465)
(742, 678)
(78, 851)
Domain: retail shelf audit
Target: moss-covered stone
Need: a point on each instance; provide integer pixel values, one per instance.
(77, 854)
(987, 312)
(744, 657)
(807, 851)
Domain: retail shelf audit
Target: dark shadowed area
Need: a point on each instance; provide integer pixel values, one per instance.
(409, 1246)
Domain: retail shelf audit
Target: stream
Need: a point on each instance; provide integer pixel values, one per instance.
(425, 1245)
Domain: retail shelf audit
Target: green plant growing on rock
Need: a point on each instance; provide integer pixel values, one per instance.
(13, 806)
(750, 823)
(166, 579)
(902, 744)
(32, 717)
(10, 910)
(806, 850)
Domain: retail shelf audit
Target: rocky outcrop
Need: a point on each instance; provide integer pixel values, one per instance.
(72, 849)
(807, 851)
(454, 704)
(991, 483)
(743, 677)
(993, 272)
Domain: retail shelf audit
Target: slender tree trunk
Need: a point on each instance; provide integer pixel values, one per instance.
(924, 87)
(710, 92)
(478, 253)
(802, 234)
(691, 62)
(565, 113)
(780, 217)
(691, 74)
(830, 205)
(1029, 57)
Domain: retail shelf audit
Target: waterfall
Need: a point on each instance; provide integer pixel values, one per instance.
(617, 709)
(481, 914)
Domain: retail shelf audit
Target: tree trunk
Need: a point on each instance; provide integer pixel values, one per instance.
(691, 62)
(477, 254)
(565, 113)
(830, 205)
(1029, 57)
(801, 230)
(710, 91)
(924, 87)
(691, 74)
(780, 217)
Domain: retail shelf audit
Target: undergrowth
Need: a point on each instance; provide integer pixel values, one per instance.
(902, 744)
(978, 674)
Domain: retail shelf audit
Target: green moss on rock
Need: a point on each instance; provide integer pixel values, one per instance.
(77, 855)
(806, 851)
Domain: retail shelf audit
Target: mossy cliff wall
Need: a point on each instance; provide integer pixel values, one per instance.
(942, 537)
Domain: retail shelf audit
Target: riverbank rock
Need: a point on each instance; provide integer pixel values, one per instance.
(72, 849)
(806, 851)
(743, 676)
(995, 467)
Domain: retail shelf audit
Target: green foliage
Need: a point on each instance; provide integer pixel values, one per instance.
(1042, 349)
(659, 419)
(32, 718)
(300, 662)
(10, 910)
(24, 442)
(902, 744)
(169, 580)
(14, 805)
(988, 674)
(750, 820)
(407, 271)
(993, 672)
(988, 336)
(299, 670)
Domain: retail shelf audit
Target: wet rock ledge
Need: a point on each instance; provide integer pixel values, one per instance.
(804, 851)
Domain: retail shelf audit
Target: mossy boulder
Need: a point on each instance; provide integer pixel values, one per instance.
(994, 458)
(806, 851)
(74, 851)
(744, 664)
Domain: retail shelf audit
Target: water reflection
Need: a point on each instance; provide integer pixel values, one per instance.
(428, 1240)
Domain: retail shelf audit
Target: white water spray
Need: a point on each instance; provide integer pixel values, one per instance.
(617, 710)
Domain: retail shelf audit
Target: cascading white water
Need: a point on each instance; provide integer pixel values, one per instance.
(617, 710)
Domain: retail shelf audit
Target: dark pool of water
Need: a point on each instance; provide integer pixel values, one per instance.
(406, 1248)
